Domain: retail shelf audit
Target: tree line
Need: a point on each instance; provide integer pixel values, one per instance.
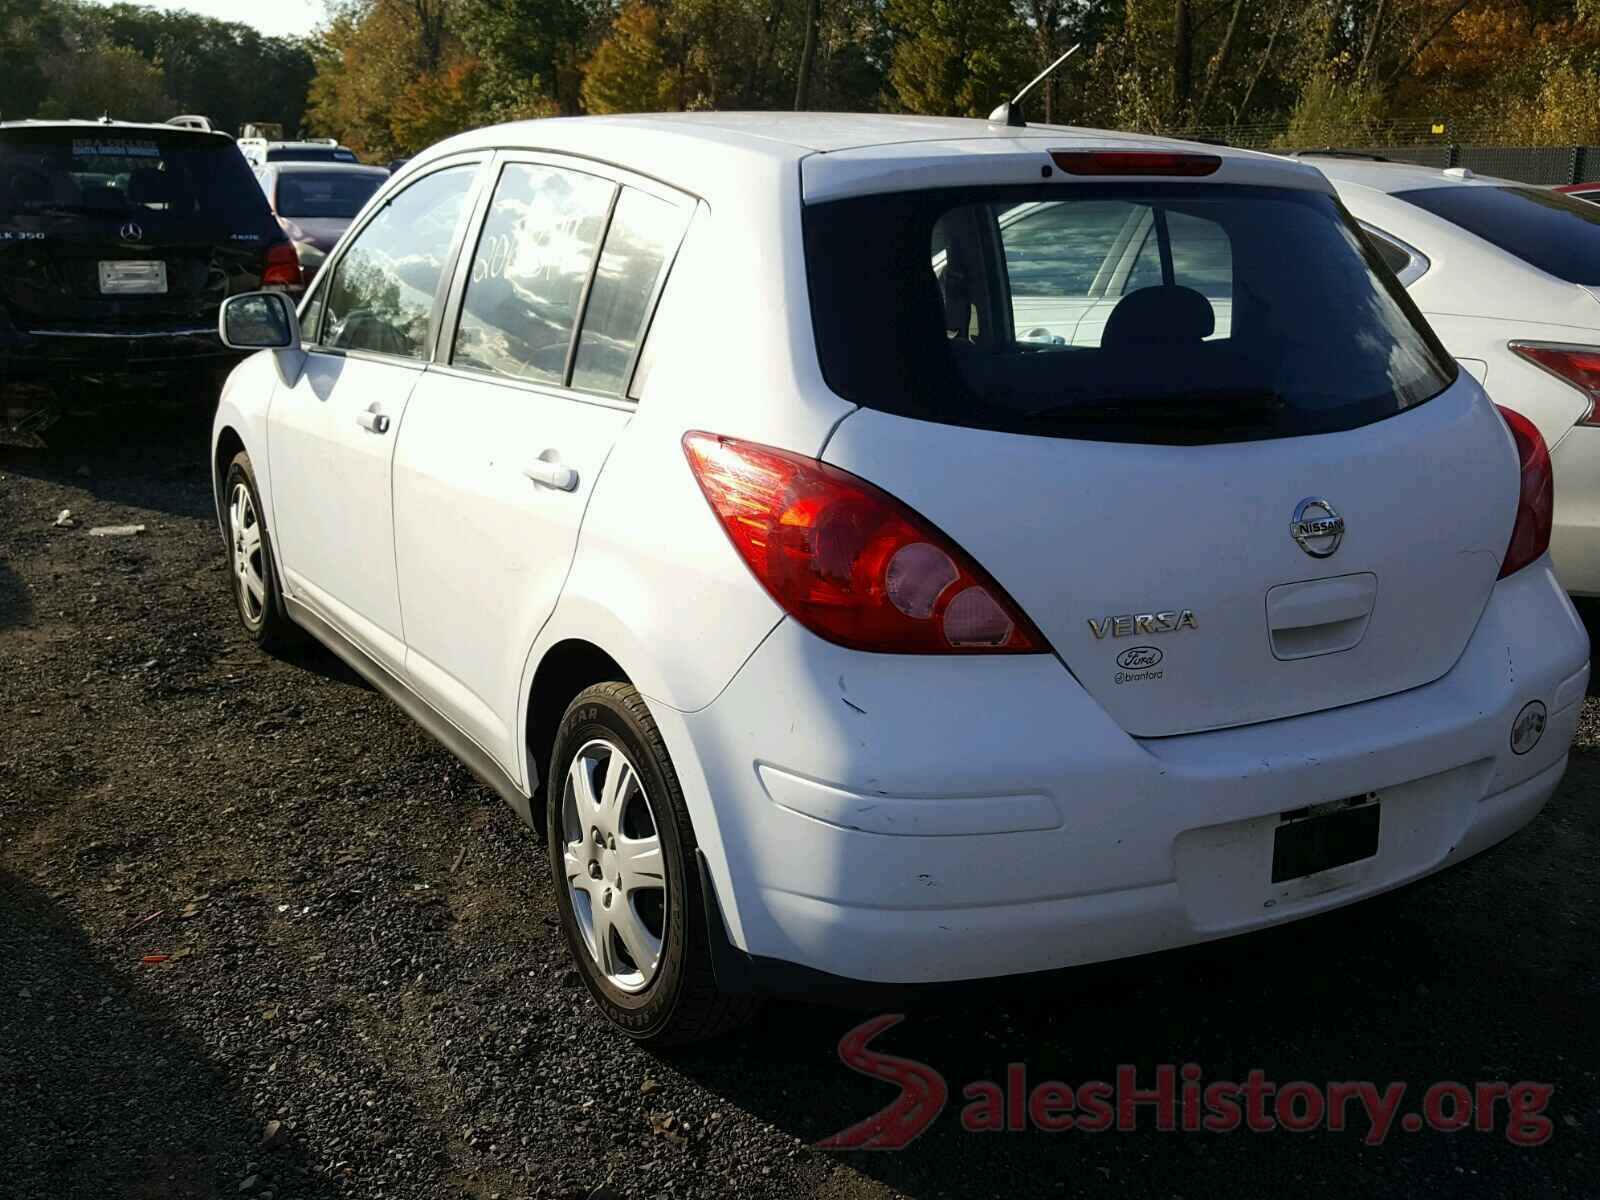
(67, 58)
(393, 75)
(388, 77)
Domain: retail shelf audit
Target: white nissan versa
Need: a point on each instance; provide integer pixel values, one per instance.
(695, 480)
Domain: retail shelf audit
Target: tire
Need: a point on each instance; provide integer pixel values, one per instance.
(252, 572)
(607, 896)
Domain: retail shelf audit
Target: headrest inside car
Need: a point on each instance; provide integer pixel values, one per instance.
(1159, 314)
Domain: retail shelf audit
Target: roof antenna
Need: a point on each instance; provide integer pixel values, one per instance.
(1010, 112)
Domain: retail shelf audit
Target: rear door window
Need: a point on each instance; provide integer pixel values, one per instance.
(1041, 262)
(1199, 257)
(381, 296)
(1171, 313)
(1553, 232)
(532, 263)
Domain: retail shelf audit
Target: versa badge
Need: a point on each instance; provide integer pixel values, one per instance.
(1128, 624)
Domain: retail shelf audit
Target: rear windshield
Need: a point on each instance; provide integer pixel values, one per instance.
(311, 154)
(1152, 313)
(1558, 234)
(314, 194)
(155, 180)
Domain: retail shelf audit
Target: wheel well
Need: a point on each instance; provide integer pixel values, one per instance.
(229, 444)
(566, 669)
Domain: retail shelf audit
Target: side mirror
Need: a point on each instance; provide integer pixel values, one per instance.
(258, 321)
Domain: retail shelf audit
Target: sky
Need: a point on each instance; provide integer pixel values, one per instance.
(276, 17)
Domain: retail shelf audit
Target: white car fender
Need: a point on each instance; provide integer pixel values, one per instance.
(242, 407)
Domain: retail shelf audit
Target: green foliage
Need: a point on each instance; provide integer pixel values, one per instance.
(956, 57)
(1332, 111)
(104, 80)
(529, 49)
(388, 77)
(63, 56)
(628, 70)
(1566, 110)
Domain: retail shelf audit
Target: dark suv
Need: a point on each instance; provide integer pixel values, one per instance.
(118, 243)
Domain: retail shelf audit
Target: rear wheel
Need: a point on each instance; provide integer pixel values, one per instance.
(622, 856)
(251, 568)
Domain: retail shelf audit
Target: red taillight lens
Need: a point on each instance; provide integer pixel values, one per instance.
(1536, 501)
(283, 266)
(1134, 162)
(1578, 366)
(850, 562)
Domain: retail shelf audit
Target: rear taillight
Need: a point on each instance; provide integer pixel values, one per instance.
(1135, 162)
(283, 266)
(1577, 366)
(850, 562)
(1536, 498)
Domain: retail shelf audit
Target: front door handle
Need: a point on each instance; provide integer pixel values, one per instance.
(563, 479)
(373, 422)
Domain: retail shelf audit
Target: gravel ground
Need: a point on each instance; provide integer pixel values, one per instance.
(362, 990)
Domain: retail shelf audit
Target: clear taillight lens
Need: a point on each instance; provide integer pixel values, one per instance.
(1536, 498)
(850, 562)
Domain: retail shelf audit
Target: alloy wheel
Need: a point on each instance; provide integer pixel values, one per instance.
(615, 870)
(249, 563)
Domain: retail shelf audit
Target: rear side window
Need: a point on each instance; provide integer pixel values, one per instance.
(381, 296)
(1174, 313)
(533, 259)
(1393, 256)
(643, 235)
(155, 179)
(1555, 233)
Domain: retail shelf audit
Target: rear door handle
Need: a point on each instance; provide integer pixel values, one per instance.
(563, 479)
(373, 422)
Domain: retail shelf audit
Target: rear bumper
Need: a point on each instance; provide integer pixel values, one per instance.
(900, 820)
(182, 345)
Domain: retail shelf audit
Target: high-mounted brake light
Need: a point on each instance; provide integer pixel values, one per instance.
(1577, 366)
(1536, 496)
(283, 266)
(1135, 162)
(850, 562)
